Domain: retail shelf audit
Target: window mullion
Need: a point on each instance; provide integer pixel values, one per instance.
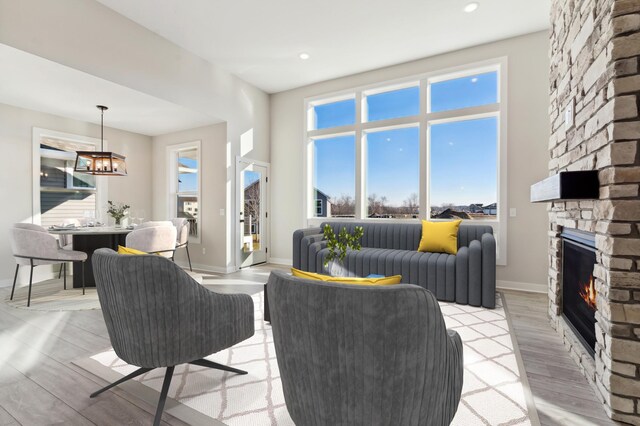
(391, 123)
(361, 171)
(464, 113)
(330, 132)
(423, 196)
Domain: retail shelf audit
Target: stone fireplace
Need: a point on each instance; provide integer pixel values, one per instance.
(595, 91)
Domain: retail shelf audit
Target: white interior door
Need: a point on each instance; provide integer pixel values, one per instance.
(252, 179)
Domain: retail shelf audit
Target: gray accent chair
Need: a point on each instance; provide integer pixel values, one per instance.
(154, 239)
(469, 277)
(182, 239)
(364, 355)
(32, 245)
(158, 316)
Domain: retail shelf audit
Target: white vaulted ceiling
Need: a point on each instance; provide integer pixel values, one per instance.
(31, 82)
(260, 40)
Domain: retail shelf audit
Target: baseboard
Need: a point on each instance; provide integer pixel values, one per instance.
(520, 286)
(207, 268)
(280, 261)
(6, 283)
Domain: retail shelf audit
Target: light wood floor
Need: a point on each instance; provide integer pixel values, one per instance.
(561, 393)
(39, 385)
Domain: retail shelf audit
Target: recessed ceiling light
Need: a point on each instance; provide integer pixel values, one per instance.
(471, 7)
(474, 80)
(304, 56)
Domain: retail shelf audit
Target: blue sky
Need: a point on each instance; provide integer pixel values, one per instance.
(480, 89)
(335, 114)
(463, 162)
(463, 154)
(335, 163)
(393, 164)
(399, 103)
(250, 176)
(188, 181)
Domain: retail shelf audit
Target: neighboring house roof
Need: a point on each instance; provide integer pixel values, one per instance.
(450, 214)
(189, 198)
(321, 193)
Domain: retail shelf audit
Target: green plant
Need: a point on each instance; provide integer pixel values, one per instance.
(117, 211)
(338, 245)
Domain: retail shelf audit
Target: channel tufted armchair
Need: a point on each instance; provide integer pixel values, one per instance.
(364, 355)
(157, 316)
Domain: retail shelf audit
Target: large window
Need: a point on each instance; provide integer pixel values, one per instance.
(184, 189)
(431, 147)
(59, 194)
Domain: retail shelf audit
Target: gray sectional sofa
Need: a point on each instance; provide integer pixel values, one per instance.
(469, 277)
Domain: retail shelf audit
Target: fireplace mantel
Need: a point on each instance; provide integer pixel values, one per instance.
(580, 185)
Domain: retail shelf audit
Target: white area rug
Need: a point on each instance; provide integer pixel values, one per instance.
(495, 390)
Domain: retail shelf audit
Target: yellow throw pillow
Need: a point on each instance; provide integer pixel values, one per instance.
(394, 279)
(308, 275)
(129, 250)
(440, 237)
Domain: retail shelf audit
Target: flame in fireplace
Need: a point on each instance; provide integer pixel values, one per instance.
(588, 293)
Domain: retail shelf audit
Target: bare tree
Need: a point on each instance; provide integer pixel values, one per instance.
(343, 206)
(252, 203)
(377, 206)
(411, 204)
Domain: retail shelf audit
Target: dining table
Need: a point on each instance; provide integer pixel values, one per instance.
(89, 239)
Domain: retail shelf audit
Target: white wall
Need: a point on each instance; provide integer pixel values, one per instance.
(528, 134)
(16, 125)
(212, 225)
(87, 36)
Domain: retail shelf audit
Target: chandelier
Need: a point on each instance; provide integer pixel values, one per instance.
(101, 162)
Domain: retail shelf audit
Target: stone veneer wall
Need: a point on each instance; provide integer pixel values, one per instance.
(594, 49)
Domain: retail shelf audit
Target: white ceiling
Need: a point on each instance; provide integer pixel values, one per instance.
(31, 82)
(260, 40)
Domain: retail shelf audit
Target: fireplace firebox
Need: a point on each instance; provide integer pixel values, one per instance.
(578, 290)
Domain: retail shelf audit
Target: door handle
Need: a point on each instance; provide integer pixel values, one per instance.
(241, 220)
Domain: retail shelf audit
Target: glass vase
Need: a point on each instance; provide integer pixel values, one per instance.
(336, 268)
